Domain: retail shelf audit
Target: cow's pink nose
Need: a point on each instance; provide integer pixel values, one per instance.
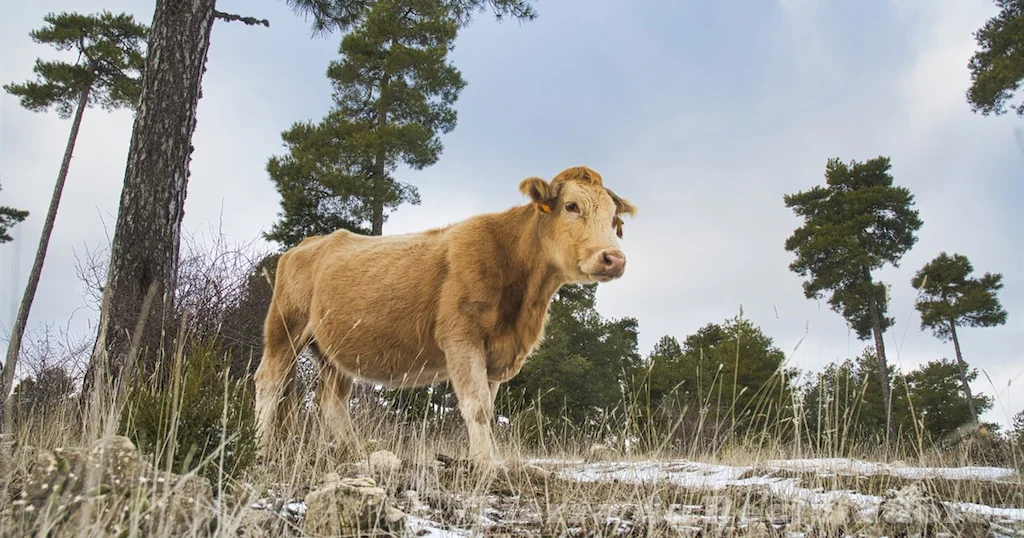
(614, 264)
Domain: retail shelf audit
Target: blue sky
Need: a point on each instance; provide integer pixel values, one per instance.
(703, 114)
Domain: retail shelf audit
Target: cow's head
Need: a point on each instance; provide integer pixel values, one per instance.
(584, 221)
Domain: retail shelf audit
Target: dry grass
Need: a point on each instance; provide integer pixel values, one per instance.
(516, 499)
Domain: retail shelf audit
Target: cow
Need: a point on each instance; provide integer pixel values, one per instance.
(466, 303)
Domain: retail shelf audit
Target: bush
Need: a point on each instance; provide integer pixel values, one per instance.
(201, 408)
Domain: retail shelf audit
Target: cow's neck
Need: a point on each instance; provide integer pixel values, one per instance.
(533, 253)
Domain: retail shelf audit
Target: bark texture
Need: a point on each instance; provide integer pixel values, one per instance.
(963, 373)
(883, 369)
(144, 254)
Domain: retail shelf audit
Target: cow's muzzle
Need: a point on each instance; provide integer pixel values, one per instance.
(612, 263)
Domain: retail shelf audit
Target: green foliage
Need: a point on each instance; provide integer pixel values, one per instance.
(950, 297)
(187, 421)
(393, 94)
(109, 59)
(843, 405)
(997, 69)
(583, 367)
(728, 375)
(9, 216)
(332, 15)
(938, 401)
(855, 224)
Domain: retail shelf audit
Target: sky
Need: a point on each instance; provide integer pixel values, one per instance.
(702, 114)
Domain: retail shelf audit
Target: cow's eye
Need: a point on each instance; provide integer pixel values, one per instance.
(572, 207)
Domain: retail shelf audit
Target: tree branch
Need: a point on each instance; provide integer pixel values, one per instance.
(251, 21)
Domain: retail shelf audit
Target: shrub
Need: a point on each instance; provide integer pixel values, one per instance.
(187, 422)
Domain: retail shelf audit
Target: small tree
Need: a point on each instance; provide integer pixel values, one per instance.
(854, 225)
(997, 69)
(937, 399)
(107, 72)
(951, 298)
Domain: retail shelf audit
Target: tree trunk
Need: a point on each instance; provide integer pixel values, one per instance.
(883, 367)
(379, 164)
(144, 253)
(963, 373)
(14, 346)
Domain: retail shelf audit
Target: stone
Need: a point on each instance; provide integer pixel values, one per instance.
(119, 485)
(345, 506)
(384, 462)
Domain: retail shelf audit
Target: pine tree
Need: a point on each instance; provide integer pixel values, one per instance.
(935, 392)
(393, 90)
(854, 225)
(144, 252)
(951, 298)
(997, 69)
(9, 216)
(107, 73)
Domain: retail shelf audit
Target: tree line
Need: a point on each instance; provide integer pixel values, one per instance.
(394, 91)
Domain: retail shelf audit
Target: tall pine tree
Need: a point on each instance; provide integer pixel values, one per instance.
(951, 298)
(107, 72)
(997, 68)
(855, 224)
(393, 93)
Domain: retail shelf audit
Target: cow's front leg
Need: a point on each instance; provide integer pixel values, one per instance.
(468, 373)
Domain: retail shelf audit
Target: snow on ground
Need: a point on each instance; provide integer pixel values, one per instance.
(710, 476)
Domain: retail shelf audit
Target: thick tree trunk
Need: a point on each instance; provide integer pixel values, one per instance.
(963, 373)
(883, 367)
(139, 295)
(14, 346)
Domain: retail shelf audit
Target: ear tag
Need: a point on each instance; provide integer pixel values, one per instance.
(545, 208)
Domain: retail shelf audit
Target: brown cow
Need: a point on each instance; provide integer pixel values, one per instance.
(467, 302)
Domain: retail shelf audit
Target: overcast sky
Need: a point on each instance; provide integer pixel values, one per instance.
(704, 114)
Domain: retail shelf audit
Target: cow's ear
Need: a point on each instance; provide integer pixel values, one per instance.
(622, 205)
(540, 192)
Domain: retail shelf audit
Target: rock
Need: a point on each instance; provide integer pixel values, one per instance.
(384, 462)
(255, 523)
(119, 485)
(911, 510)
(344, 506)
(600, 452)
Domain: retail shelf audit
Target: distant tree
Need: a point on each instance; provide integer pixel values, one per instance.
(997, 69)
(9, 216)
(393, 93)
(854, 225)
(843, 405)
(935, 392)
(666, 381)
(144, 253)
(107, 72)
(44, 391)
(951, 298)
(583, 366)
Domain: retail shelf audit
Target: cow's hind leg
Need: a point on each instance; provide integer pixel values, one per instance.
(332, 396)
(276, 398)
